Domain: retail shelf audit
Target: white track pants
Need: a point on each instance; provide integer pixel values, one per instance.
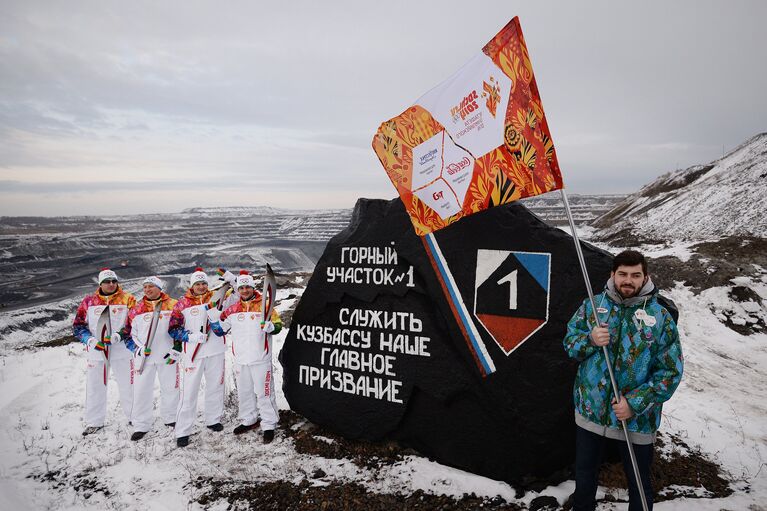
(96, 391)
(255, 393)
(212, 368)
(143, 396)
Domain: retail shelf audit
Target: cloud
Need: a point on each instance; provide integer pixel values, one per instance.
(68, 187)
(287, 96)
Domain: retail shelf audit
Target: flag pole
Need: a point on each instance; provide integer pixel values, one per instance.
(585, 273)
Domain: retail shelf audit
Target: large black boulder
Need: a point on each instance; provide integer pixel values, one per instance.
(377, 348)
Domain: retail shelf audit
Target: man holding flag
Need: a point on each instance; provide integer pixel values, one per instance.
(643, 342)
(477, 140)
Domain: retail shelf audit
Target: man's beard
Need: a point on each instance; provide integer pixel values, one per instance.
(628, 291)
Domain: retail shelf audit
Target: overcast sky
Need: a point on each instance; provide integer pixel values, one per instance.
(146, 106)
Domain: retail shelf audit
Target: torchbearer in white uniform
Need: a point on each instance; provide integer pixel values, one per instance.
(146, 335)
(97, 322)
(202, 355)
(249, 335)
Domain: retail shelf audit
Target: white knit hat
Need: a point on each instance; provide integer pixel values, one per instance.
(244, 279)
(155, 281)
(106, 274)
(198, 276)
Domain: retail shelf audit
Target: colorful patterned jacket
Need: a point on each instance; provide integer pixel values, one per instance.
(242, 324)
(87, 316)
(136, 330)
(646, 357)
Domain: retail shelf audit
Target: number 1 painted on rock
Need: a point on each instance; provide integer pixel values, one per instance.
(511, 278)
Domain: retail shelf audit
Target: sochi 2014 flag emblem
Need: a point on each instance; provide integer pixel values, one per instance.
(511, 295)
(479, 139)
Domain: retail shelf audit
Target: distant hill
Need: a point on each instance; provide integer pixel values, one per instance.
(727, 197)
(49, 258)
(585, 208)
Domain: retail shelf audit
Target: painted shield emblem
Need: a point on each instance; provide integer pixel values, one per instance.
(511, 295)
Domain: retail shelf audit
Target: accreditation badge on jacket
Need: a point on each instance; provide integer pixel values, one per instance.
(647, 319)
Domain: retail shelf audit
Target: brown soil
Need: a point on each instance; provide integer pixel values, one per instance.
(747, 329)
(362, 453)
(627, 238)
(286, 496)
(61, 341)
(682, 467)
(85, 483)
(743, 294)
(714, 264)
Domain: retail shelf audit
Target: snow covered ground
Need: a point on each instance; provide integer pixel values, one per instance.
(45, 463)
(721, 404)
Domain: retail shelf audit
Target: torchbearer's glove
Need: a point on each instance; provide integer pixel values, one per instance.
(267, 327)
(172, 357)
(230, 278)
(104, 344)
(91, 343)
(141, 351)
(214, 315)
(115, 337)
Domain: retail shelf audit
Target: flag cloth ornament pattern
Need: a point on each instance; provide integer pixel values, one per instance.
(477, 140)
